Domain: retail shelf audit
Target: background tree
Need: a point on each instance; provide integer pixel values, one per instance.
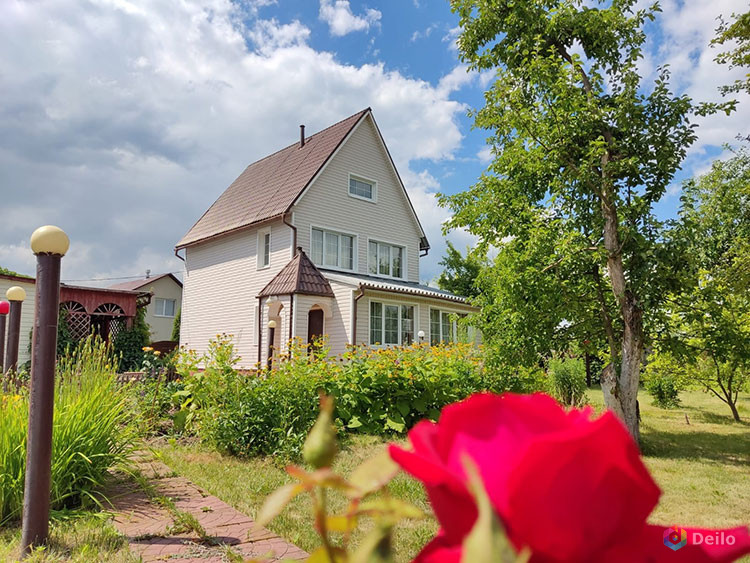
(579, 136)
(460, 273)
(737, 32)
(176, 326)
(708, 322)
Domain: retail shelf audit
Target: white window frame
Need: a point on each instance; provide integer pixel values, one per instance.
(162, 314)
(404, 260)
(454, 324)
(355, 248)
(261, 247)
(361, 178)
(399, 304)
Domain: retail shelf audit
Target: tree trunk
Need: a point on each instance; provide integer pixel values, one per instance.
(735, 413)
(621, 389)
(587, 359)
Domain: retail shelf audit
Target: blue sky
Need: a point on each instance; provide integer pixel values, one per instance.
(122, 121)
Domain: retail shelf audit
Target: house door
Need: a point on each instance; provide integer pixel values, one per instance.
(314, 325)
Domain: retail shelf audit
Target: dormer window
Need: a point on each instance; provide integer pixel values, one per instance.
(362, 188)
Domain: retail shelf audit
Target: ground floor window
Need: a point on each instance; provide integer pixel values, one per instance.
(442, 326)
(391, 323)
(445, 327)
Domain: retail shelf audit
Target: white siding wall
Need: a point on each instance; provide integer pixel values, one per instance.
(27, 317)
(220, 286)
(338, 326)
(327, 202)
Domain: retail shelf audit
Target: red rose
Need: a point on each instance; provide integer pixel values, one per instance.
(568, 487)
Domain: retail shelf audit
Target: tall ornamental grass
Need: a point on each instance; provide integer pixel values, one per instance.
(92, 431)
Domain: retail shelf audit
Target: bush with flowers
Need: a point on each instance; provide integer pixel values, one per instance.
(377, 391)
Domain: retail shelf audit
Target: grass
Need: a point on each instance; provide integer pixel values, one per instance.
(77, 537)
(702, 468)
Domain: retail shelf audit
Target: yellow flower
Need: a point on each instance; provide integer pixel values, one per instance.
(147, 348)
(157, 353)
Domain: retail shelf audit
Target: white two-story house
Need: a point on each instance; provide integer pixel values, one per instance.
(320, 238)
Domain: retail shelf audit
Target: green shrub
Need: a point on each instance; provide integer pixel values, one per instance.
(92, 431)
(663, 378)
(377, 391)
(129, 343)
(567, 381)
(517, 379)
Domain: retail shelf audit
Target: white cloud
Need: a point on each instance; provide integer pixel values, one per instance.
(456, 79)
(451, 37)
(423, 34)
(422, 188)
(485, 155)
(269, 35)
(341, 20)
(123, 125)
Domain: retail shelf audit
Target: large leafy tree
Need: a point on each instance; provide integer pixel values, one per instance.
(708, 324)
(460, 272)
(580, 137)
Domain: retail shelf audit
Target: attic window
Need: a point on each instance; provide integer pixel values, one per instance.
(361, 188)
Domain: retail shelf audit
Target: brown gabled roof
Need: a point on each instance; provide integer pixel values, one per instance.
(268, 188)
(299, 276)
(139, 283)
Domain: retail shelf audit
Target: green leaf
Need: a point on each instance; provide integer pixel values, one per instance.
(373, 474)
(277, 501)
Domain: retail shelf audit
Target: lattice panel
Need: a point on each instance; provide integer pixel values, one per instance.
(79, 325)
(116, 326)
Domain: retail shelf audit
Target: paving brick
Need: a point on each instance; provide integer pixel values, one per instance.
(145, 523)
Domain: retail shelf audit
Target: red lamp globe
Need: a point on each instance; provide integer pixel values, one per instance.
(4, 307)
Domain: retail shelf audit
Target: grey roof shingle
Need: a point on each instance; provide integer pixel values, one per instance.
(268, 188)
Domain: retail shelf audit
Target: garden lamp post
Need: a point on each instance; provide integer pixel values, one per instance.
(49, 244)
(420, 335)
(15, 295)
(4, 309)
(271, 335)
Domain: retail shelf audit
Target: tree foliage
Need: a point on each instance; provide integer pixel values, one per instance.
(708, 321)
(584, 148)
(460, 272)
(737, 32)
(176, 326)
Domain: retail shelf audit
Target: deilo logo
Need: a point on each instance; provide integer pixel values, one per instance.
(675, 538)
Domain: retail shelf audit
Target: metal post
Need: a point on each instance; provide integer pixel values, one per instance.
(271, 335)
(14, 331)
(49, 244)
(4, 308)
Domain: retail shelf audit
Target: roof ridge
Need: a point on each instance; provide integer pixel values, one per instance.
(261, 184)
(339, 122)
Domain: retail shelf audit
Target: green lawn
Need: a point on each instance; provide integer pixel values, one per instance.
(701, 466)
(78, 537)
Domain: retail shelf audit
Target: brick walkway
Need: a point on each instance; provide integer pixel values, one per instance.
(146, 524)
